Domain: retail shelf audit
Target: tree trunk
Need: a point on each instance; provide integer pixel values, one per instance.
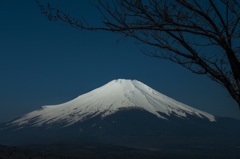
(238, 104)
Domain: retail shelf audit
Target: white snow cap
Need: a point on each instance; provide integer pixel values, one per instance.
(107, 100)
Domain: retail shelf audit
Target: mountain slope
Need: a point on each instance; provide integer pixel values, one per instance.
(107, 100)
(128, 113)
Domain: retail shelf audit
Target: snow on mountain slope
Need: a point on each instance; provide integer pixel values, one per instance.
(107, 100)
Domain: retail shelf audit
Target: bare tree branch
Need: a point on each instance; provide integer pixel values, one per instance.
(179, 30)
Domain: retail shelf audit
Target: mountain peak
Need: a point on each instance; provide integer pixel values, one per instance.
(107, 100)
(123, 81)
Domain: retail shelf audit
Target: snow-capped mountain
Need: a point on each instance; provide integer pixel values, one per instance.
(107, 100)
(123, 112)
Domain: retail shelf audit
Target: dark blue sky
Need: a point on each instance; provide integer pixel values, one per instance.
(45, 63)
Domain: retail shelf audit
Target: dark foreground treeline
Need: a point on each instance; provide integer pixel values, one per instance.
(86, 150)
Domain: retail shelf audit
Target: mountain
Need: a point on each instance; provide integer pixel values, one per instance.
(109, 99)
(128, 113)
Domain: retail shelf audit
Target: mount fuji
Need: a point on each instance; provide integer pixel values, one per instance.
(122, 112)
(107, 100)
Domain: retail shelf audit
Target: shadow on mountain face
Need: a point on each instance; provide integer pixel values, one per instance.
(145, 133)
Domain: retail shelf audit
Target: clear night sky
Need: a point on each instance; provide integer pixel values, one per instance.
(47, 63)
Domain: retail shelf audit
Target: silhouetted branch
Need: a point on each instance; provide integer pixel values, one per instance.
(178, 28)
